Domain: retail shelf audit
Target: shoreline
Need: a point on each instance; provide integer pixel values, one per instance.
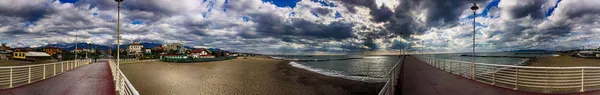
(310, 78)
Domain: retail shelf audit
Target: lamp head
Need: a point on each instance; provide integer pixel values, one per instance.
(118, 0)
(474, 7)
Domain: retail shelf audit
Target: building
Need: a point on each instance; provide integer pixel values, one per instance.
(201, 53)
(52, 50)
(5, 52)
(135, 48)
(31, 56)
(175, 48)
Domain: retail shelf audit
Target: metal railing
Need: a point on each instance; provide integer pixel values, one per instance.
(122, 84)
(393, 75)
(13, 76)
(524, 78)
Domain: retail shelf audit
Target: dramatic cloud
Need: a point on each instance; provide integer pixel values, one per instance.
(307, 26)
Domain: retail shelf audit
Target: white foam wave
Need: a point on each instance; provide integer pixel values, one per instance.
(337, 73)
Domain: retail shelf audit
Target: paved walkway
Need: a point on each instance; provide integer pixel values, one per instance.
(422, 79)
(91, 79)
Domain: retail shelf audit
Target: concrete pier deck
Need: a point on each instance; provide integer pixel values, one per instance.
(91, 79)
(419, 78)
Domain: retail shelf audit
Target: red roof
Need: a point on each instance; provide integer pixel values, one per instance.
(197, 51)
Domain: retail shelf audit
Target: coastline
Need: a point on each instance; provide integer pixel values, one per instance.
(321, 81)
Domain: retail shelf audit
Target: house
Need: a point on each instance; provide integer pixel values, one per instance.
(135, 48)
(30, 55)
(52, 50)
(175, 48)
(201, 53)
(147, 51)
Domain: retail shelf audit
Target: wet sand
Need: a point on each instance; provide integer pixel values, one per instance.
(254, 76)
(563, 61)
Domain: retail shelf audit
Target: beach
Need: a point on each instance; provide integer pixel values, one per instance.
(254, 75)
(563, 60)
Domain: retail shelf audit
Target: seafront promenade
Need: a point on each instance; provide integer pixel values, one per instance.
(420, 78)
(91, 79)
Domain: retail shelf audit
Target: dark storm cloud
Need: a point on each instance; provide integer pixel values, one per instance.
(273, 25)
(321, 11)
(535, 10)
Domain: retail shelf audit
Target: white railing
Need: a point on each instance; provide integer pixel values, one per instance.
(392, 83)
(122, 84)
(13, 76)
(524, 78)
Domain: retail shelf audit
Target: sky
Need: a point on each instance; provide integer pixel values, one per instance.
(308, 26)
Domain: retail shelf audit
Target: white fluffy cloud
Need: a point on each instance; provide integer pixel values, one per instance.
(312, 26)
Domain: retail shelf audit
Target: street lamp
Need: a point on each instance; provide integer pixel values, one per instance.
(474, 8)
(76, 48)
(118, 30)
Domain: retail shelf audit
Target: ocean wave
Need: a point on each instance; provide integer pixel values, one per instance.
(337, 73)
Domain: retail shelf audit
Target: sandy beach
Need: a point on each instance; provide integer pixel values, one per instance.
(251, 76)
(563, 61)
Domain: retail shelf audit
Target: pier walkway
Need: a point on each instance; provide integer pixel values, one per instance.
(419, 78)
(91, 79)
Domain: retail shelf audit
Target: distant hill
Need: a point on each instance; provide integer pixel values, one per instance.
(71, 46)
(529, 50)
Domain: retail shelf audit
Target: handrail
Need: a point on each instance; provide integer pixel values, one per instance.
(524, 78)
(393, 75)
(13, 76)
(122, 84)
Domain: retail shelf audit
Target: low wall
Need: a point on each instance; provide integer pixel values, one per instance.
(190, 60)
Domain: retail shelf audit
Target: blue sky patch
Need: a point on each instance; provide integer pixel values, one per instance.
(315, 14)
(551, 10)
(246, 18)
(484, 13)
(204, 14)
(95, 14)
(137, 22)
(292, 14)
(324, 3)
(68, 1)
(338, 15)
(283, 3)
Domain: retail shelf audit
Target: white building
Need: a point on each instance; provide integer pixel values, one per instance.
(135, 48)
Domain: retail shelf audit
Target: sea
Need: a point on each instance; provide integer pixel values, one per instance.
(375, 68)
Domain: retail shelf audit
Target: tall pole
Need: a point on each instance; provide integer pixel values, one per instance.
(76, 48)
(474, 8)
(118, 32)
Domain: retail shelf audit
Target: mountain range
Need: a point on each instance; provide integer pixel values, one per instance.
(71, 46)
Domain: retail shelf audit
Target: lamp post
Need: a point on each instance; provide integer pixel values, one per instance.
(474, 8)
(76, 48)
(118, 30)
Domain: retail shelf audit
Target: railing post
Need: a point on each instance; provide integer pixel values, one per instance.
(54, 70)
(582, 79)
(516, 78)
(452, 67)
(10, 80)
(62, 67)
(493, 75)
(44, 76)
(29, 75)
(473, 71)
